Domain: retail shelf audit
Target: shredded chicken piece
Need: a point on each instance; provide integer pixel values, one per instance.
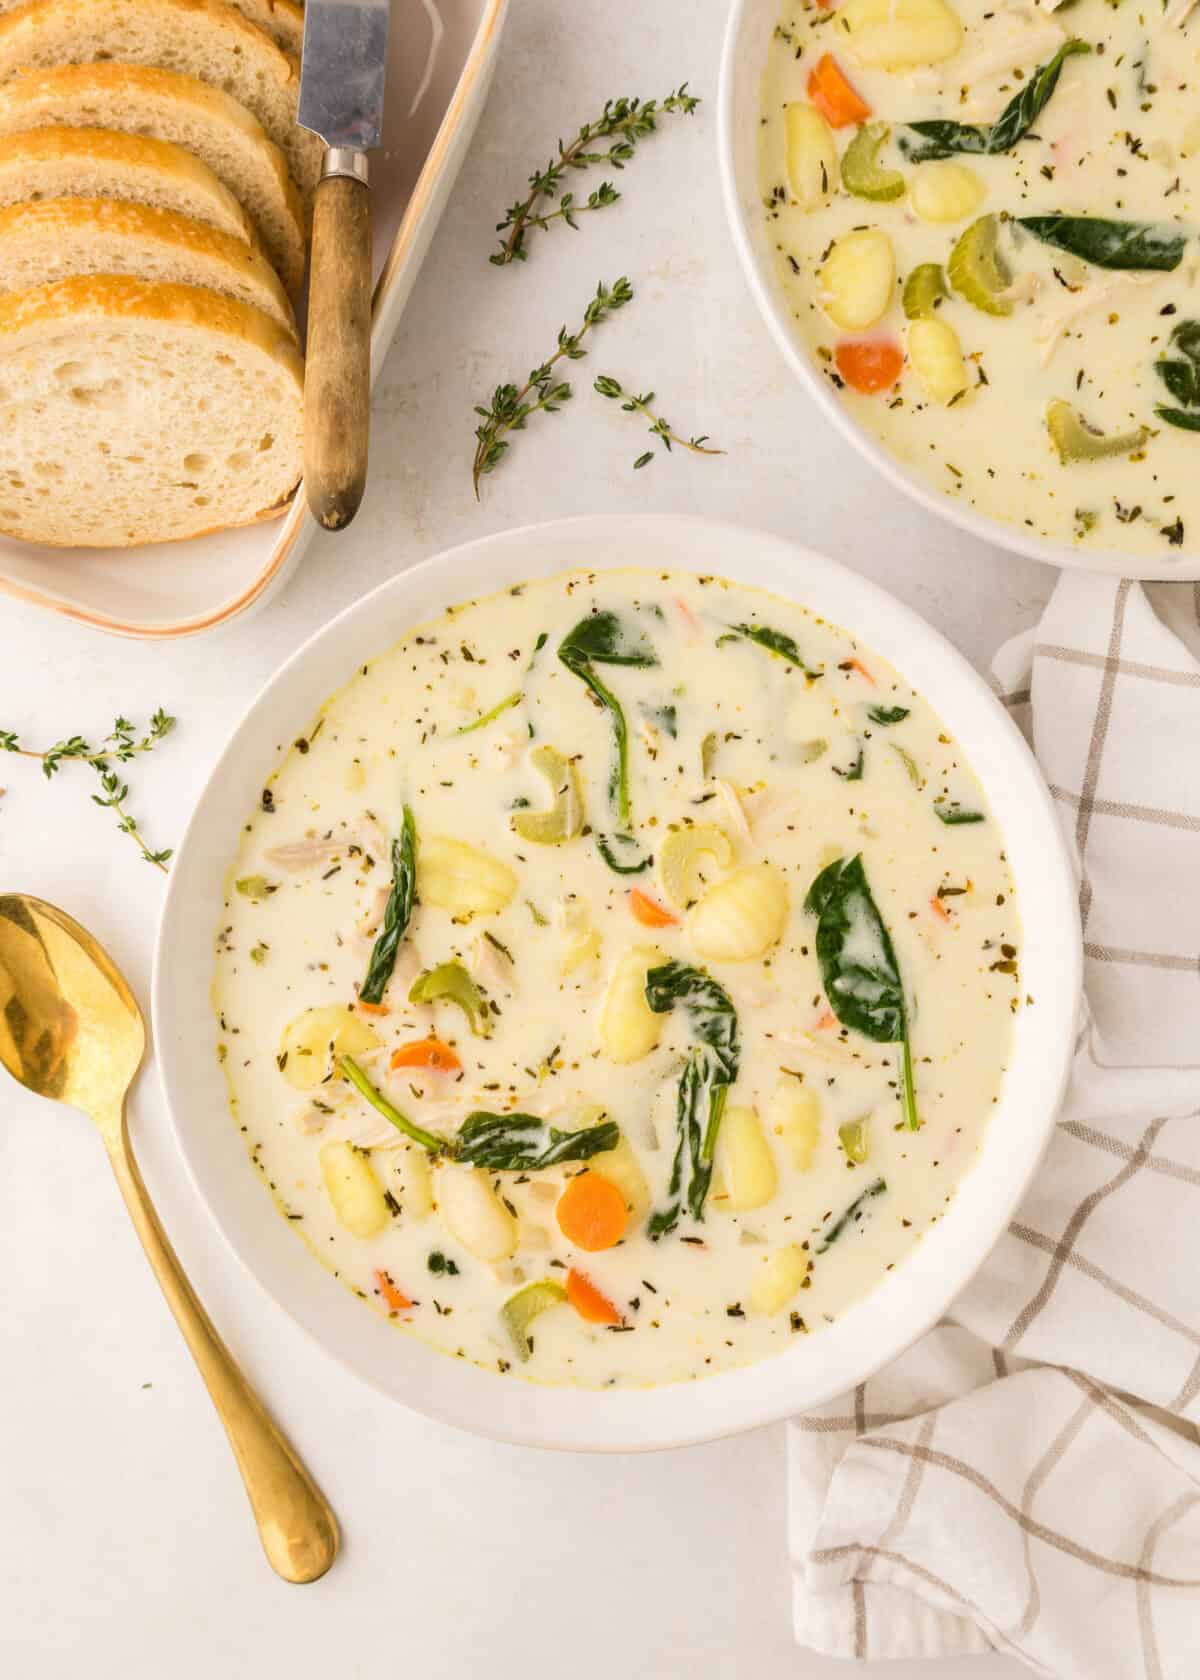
(733, 807)
(1107, 296)
(489, 965)
(368, 923)
(755, 992)
(1020, 37)
(310, 1119)
(305, 854)
(507, 749)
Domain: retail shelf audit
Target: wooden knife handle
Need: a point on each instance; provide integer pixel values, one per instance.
(337, 379)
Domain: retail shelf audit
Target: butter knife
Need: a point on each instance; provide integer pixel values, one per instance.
(341, 99)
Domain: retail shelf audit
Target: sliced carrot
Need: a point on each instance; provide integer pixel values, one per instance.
(588, 1301)
(869, 365)
(591, 1212)
(426, 1053)
(857, 665)
(939, 909)
(396, 1299)
(371, 1008)
(648, 911)
(833, 96)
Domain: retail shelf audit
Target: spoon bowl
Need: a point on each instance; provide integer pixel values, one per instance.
(71, 1030)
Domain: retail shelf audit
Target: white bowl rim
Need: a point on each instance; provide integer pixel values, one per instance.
(766, 295)
(877, 1329)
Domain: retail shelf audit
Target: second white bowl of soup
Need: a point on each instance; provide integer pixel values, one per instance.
(971, 230)
(623, 985)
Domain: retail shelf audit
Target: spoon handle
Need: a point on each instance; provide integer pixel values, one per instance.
(298, 1530)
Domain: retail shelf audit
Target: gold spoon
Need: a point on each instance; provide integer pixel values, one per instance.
(71, 1029)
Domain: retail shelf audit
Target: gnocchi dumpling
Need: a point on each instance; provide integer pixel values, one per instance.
(794, 1116)
(314, 1039)
(812, 157)
(944, 191)
(629, 1028)
(900, 34)
(935, 351)
(778, 1279)
(858, 279)
(356, 1194)
(465, 880)
(742, 917)
(744, 1174)
(474, 1215)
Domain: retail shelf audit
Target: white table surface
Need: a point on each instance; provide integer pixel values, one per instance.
(126, 1549)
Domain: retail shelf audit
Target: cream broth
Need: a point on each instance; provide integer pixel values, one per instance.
(1033, 389)
(604, 1005)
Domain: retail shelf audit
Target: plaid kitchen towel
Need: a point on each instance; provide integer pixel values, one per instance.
(1027, 1477)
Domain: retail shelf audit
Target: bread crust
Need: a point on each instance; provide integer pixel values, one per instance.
(144, 100)
(75, 225)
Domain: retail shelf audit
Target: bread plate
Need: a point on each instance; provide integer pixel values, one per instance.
(812, 1369)
(441, 58)
(747, 39)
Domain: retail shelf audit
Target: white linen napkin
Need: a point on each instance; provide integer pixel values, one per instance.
(1027, 1477)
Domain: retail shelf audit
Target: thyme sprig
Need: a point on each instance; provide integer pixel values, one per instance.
(121, 744)
(606, 386)
(512, 405)
(623, 122)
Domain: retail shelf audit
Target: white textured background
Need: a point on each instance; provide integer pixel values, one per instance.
(126, 1551)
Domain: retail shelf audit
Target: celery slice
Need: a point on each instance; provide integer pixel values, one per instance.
(863, 174)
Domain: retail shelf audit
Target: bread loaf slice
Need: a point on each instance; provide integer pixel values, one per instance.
(165, 106)
(48, 163)
(41, 243)
(202, 38)
(134, 412)
(282, 20)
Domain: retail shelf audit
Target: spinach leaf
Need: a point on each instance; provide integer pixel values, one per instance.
(943, 139)
(783, 647)
(1188, 421)
(858, 965)
(1181, 375)
(883, 715)
(396, 912)
(1109, 244)
(500, 1142)
(954, 816)
(523, 1143)
(831, 1233)
(710, 1069)
(602, 639)
(854, 772)
(604, 845)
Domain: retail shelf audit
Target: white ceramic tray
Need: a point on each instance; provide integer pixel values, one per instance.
(441, 54)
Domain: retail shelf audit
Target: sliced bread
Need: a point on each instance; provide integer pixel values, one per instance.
(135, 413)
(50, 163)
(165, 106)
(282, 20)
(41, 243)
(202, 38)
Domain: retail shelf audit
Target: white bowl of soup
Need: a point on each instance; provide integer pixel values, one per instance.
(618, 982)
(971, 230)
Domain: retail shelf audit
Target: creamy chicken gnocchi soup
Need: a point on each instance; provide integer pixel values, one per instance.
(984, 220)
(617, 977)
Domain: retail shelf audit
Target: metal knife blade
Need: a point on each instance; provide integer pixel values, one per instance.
(342, 71)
